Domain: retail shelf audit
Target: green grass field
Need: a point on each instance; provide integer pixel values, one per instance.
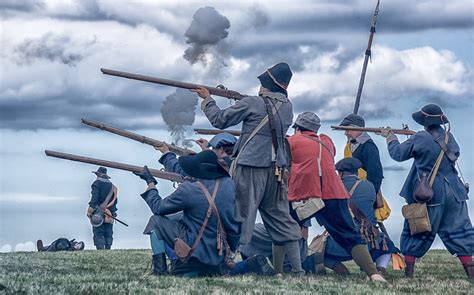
(126, 271)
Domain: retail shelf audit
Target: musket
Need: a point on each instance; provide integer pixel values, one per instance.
(213, 90)
(375, 130)
(368, 54)
(114, 218)
(215, 131)
(137, 137)
(156, 173)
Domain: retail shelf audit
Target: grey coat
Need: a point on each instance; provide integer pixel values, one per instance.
(425, 150)
(250, 111)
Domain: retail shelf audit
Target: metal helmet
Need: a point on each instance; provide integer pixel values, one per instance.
(97, 220)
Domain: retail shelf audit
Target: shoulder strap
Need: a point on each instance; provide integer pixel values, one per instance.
(210, 199)
(103, 206)
(443, 144)
(271, 121)
(352, 205)
(353, 188)
(319, 141)
(111, 203)
(252, 135)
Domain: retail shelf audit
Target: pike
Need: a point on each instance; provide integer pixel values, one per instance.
(216, 131)
(368, 54)
(137, 137)
(219, 91)
(174, 177)
(370, 129)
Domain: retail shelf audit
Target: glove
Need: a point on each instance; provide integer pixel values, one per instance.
(146, 175)
(385, 132)
(89, 212)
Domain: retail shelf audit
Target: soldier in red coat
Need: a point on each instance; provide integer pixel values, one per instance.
(313, 178)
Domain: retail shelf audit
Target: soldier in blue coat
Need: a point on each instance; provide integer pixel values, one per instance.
(362, 197)
(189, 198)
(447, 209)
(261, 159)
(103, 198)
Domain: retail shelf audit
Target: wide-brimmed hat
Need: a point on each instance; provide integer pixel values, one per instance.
(308, 120)
(349, 164)
(222, 139)
(353, 120)
(276, 78)
(430, 114)
(203, 165)
(101, 172)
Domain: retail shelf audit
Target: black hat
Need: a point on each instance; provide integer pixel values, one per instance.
(430, 114)
(349, 164)
(353, 120)
(101, 172)
(203, 165)
(276, 78)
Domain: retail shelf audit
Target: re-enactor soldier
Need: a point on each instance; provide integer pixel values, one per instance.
(434, 152)
(102, 209)
(260, 161)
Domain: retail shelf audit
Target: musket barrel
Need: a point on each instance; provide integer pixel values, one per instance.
(156, 173)
(137, 137)
(371, 129)
(216, 131)
(213, 90)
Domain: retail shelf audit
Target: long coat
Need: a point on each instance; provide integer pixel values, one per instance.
(190, 199)
(100, 188)
(304, 181)
(250, 111)
(424, 150)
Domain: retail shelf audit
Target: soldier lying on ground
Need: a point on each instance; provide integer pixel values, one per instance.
(60, 244)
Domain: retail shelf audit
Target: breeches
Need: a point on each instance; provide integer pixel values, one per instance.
(103, 234)
(258, 188)
(451, 222)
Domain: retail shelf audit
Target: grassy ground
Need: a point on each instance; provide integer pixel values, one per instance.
(125, 271)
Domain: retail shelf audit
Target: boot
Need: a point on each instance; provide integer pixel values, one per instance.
(409, 270)
(339, 269)
(258, 264)
(159, 267)
(469, 268)
(39, 246)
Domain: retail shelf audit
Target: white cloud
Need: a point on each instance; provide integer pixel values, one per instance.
(29, 198)
(6, 248)
(25, 247)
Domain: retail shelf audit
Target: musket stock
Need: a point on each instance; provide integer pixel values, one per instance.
(215, 131)
(137, 137)
(156, 173)
(370, 129)
(213, 90)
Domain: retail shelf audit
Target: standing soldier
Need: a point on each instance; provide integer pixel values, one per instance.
(102, 209)
(433, 148)
(261, 160)
(313, 178)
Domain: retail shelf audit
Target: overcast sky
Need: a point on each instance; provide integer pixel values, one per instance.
(52, 52)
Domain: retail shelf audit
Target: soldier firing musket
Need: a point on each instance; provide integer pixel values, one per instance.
(219, 91)
(137, 137)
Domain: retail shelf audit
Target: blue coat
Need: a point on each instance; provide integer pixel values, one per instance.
(250, 111)
(189, 199)
(100, 188)
(368, 153)
(424, 150)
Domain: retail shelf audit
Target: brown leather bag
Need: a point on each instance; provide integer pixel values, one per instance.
(423, 192)
(417, 216)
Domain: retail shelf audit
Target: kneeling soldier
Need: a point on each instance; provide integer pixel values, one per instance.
(208, 230)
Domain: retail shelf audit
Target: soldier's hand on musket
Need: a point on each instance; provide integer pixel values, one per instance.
(162, 148)
(202, 92)
(385, 131)
(146, 175)
(203, 143)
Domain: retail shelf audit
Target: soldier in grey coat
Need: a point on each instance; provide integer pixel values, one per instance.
(258, 159)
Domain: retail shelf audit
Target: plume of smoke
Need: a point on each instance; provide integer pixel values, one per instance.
(206, 36)
(55, 48)
(178, 111)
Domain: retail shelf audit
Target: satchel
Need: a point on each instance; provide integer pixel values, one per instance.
(423, 192)
(182, 249)
(417, 216)
(307, 208)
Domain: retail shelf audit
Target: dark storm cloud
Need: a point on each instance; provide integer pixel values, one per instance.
(51, 47)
